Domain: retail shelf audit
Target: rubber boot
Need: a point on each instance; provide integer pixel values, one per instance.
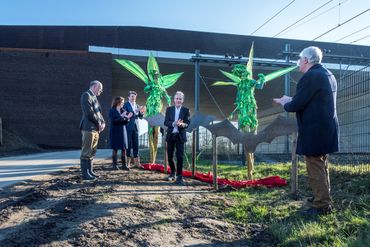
(114, 162)
(90, 168)
(84, 170)
(124, 164)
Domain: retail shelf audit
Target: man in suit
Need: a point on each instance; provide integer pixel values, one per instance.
(176, 120)
(92, 123)
(315, 106)
(133, 127)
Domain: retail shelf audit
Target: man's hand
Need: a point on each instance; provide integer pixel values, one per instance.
(283, 100)
(127, 114)
(143, 109)
(180, 123)
(101, 127)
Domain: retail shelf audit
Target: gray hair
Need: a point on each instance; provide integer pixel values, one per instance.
(180, 93)
(95, 82)
(313, 54)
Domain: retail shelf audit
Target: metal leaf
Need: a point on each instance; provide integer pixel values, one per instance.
(152, 67)
(224, 83)
(278, 73)
(134, 68)
(250, 62)
(169, 80)
(232, 77)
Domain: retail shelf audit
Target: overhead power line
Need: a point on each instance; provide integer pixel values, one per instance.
(352, 33)
(367, 36)
(314, 17)
(302, 18)
(272, 17)
(341, 24)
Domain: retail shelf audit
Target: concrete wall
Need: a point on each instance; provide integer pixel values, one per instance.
(40, 93)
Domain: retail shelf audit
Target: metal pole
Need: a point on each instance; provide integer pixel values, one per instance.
(197, 94)
(214, 161)
(294, 171)
(287, 89)
(194, 154)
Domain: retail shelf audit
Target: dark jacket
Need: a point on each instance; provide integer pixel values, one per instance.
(91, 112)
(131, 126)
(170, 119)
(117, 130)
(315, 107)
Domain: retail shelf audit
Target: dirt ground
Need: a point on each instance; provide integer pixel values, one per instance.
(121, 208)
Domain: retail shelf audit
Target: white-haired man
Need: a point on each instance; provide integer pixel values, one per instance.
(315, 106)
(177, 120)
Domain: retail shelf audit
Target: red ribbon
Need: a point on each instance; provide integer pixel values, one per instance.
(273, 181)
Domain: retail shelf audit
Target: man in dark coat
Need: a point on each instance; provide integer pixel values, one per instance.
(132, 126)
(315, 106)
(92, 123)
(176, 120)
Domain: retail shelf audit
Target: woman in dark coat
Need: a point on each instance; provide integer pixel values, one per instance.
(117, 131)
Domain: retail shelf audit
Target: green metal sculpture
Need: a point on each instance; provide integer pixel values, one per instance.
(242, 78)
(156, 86)
(246, 106)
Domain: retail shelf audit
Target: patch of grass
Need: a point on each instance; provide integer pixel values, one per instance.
(280, 214)
(362, 238)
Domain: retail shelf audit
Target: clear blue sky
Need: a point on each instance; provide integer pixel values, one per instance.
(220, 16)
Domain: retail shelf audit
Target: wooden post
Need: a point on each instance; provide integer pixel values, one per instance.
(165, 157)
(1, 132)
(214, 161)
(194, 153)
(294, 171)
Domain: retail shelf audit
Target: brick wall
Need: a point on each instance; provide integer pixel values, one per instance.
(40, 93)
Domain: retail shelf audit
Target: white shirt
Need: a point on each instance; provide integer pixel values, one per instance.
(177, 115)
(134, 108)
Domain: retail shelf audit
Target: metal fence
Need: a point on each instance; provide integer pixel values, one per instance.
(353, 109)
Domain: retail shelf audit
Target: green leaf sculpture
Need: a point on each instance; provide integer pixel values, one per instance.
(241, 77)
(156, 84)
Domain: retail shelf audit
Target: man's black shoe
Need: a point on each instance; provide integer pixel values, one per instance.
(171, 177)
(125, 167)
(179, 180)
(310, 199)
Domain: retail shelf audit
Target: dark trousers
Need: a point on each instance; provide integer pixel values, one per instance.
(174, 141)
(133, 143)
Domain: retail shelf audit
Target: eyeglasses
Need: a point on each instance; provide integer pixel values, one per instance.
(299, 59)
